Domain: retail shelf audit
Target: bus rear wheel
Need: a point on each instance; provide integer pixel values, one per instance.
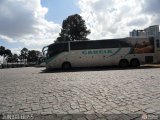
(134, 63)
(66, 66)
(123, 63)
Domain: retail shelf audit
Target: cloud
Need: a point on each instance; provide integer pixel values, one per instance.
(7, 38)
(140, 21)
(152, 9)
(151, 6)
(102, 5)
(115, 18)
(16, 19)
(23, 21)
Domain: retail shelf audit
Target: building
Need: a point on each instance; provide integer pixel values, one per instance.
(150, 31)
(136, 33)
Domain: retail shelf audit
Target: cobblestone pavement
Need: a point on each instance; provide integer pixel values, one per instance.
(85, 95)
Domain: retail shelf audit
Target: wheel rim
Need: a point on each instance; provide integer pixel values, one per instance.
(66, 66)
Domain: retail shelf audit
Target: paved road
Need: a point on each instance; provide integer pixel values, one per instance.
(93, 94)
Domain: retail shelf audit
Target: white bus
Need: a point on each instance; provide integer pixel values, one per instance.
(123, 52)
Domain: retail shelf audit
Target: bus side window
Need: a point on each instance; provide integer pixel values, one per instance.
(157, 43)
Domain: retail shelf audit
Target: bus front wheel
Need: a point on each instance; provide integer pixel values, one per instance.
(123, 63)
(66, 66)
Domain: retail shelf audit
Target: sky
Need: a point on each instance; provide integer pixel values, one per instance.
(36, 23)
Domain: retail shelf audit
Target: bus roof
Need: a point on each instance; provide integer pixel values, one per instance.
(126, 38)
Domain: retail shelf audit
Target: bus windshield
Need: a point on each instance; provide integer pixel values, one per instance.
(57, 48)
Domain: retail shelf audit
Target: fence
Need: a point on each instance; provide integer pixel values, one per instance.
(13, 65)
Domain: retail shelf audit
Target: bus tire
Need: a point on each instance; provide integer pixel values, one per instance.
(66, 66)
(134, 63)
(123, 63)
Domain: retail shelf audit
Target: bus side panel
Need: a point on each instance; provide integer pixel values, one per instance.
(142, 49)
(157, 50)
(57, 61)
(76, 59)
(158, 55)
(98, 57)
(123, 54)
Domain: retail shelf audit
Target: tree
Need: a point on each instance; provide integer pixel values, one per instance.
(2, 50)
(33, 56)
(24, 54)
(73, 28)
(7, 52)
(12, 58)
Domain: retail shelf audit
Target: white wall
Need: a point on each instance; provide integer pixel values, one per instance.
(1, 59)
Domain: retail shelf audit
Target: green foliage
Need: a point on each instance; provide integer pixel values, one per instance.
(12, 58)
(24, 54)
(30, 55)
(73, 28)
(2, 50)
(7, 52)
(33, 56)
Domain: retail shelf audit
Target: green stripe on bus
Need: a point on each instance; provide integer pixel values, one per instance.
(115, 52)
(128, 53)
(50, 59)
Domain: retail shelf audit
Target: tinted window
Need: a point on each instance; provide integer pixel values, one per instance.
(124, 44)
(98, 44)
(107, 44)
(57, 48)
